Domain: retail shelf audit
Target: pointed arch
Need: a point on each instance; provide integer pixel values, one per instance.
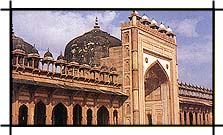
(40, 114)
(59, 115)
(23, 115)
(154, 76)
(102, 116)
(158, 65)
(89, 117)
(77, 114)
(115, 116)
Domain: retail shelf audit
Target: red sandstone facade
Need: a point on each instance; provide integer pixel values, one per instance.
(127, 82)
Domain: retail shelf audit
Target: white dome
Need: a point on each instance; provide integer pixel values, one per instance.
(153, 22)
(162, 26)
(135, 12)
(144, 17)
(169, 29)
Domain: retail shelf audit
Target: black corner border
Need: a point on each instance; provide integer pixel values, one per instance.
(213, 9)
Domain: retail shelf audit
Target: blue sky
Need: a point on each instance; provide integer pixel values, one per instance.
(54, 29)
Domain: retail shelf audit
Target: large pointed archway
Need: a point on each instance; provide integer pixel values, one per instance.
(102, 116)
(156, 87)
(40, 114)
(23, 115)
(59, 115)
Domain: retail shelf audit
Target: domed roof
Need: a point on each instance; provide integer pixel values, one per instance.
(169, 31)
(90, 47)
(60, 57)
(144, 17)
(153, 22)
(19, 43)
(104, 67)
(48, 54)
(162, 27)
(113, 69)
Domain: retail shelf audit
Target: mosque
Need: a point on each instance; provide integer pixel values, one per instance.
(102, 80)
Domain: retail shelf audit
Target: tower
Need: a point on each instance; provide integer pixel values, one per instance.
(149, 72)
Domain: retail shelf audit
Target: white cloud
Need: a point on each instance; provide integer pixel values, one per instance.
(56, 29)
(199, 52)
(186, 27)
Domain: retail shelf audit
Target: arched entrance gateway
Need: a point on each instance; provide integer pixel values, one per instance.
(156, 86)
(59, 115)
(23, 115)
(102, 116)
(40, 114)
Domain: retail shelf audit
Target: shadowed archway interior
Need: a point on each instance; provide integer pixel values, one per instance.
(156, 86)
(59, 115)
(103, 116)
(23, 115)
(40, 114)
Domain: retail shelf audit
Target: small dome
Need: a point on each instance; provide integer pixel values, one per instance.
(113, 69)
(20, 47)
(169, 31)
(34, 51)
(162, 28)
(48, 54)
(19, 44)
(144, 17)
(60, 57)
(153, 23)
(104, 67)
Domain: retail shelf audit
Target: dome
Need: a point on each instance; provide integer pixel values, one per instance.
(162, 28)
(34, 53)
(113, 69)
(104, 67)
(48, 54)
(169, 31)
(144, 17)
(153, 23)
(60, 57)
(90, 47)
(19, 43)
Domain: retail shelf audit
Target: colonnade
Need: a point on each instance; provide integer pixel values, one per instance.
(189, 117)
(61, 114)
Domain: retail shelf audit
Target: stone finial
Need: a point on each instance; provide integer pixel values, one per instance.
(96, 26)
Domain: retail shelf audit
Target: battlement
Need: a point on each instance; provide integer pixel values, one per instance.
(194, 91)
(60, 69)
(152, 28)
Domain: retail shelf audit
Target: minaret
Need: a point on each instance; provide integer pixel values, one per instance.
(96, 26)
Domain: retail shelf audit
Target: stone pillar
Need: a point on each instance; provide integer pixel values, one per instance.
(111, 118)
(31, 107)
(23, 61)
(49, 112)
(202, 121)
(135, 75)
(15, 113)
(210, 117)
(198, 119)
(47, 67)
(206, 118)
(70, 115)
(182, 118)
(17, 61)
(32, 62)
(84, 115)
(53, 71)
(187, 118)
(194, 118)
(94, 115)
